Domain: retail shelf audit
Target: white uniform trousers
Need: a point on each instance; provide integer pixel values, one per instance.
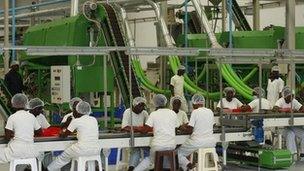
(291, 133)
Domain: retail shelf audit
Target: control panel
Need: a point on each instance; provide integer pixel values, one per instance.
(60, 84)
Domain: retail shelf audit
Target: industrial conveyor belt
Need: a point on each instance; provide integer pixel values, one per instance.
(113, 30)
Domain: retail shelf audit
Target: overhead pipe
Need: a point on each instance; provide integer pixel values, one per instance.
(6, 36)
(205, 23)
(37, 5)
(74, 7)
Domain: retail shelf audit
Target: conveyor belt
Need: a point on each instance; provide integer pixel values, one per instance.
(120, 58)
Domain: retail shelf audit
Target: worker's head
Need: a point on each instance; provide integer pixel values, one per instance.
(138, 104)
(181, 70)
(198, 101)
(14, 65)
(287, 94)
(19, 101)
(73, 103)
(275, 72)
(83, 108)
(176, 103)
(229, 93)
(35, 106)
(160, 101)
(258, 92)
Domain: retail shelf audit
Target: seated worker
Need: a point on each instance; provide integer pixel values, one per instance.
(176, 103)
(229, 101)
(254, 105)
(139, 117)
(87, 135)
(66, 120)
(19, 131)
(288, 103)
(35, 107)
(163, 121)
(200, 127)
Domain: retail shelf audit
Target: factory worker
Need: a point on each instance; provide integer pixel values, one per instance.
(275, 85)
(288, 103)
(35, 107)
(19, 131)
(254, 105)
(177, 86)
(139, 117)
(66, 120)
(13, 79)
(200, 127)
(229, 101)
(175, 103)
(87, 134)
(163, 122)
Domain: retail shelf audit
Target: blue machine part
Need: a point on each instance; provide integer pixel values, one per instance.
(258, 130)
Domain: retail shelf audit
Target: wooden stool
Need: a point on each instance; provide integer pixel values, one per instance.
(159, 160)
(205, 155)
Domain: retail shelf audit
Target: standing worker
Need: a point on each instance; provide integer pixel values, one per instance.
(275, 85)
(200, 127)
(19, 131)
(139, 118)
(163, 122)
(13, 79)
(177, 86)
(87, 135)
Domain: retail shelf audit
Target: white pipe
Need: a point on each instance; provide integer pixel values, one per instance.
(74, 7)
(205, 23)
(168, 40)
(6, 36)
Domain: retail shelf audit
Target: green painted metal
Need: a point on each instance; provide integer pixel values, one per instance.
(275, 159)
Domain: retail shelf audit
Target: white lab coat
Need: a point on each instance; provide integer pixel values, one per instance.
(178, 83)
(274, 88)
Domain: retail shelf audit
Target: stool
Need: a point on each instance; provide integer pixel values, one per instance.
(159, 160)
(205, 155)
(82, 160)
(123, 163)
(30, 161)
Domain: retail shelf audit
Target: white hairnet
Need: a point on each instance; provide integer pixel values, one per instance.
(197, 99)
(14, 63)
(19, 100)
(138, 100)
(286, 92)
(175, 98)
(160, 100)
(227, 89)
(34, 103)
(257, 91)
(181, 67)
(73, 100)
(275, 68)
(83, 108)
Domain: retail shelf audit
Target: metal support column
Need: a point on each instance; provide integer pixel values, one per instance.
(224, 15)
(290, 36)
(6, 36)
(13, 28)
(256, 14)
(163, 59)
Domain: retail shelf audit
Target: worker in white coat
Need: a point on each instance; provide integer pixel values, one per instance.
(163, 122)
(175, 103)
(66, 120)
(177, 86)
(275, 85)
(200, 127)
(289, 103)
(254, 105)
(35, 107)
(19, 131)
(229, 101)
(139, 117)
(87, 134)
